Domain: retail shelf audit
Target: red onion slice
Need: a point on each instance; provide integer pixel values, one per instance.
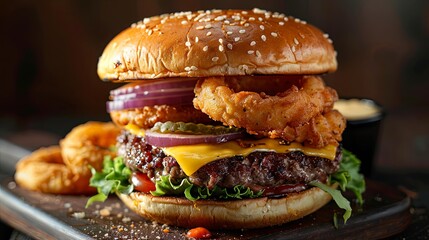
(171, 139)
(155, 93)
(154, 85)
(183, 99)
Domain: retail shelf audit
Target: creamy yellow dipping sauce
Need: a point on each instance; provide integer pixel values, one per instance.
(356, 109)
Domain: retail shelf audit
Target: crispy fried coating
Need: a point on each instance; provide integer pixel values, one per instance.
(45, 171)
(87, 144)
(294, 112)
(320, 131)
(65, 169)
(147, 116)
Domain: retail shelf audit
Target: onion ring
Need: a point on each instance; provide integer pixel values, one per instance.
(44, 171)
(227, 100)
(87, 144)
(318, 132)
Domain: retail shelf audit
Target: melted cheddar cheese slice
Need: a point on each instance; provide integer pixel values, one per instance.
(193, 157)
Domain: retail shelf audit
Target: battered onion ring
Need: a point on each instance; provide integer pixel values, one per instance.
(318, 132)
(87, 144)
(147, 116)
(270, 116)
(44, 171)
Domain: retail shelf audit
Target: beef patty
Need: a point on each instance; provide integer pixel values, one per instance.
(257, 170)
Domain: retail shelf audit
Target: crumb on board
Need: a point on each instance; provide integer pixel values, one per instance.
(78, 215)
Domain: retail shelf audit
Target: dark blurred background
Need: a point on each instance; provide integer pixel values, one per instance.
(50, 51)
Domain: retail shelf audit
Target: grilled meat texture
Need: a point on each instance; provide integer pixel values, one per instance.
(258, 170)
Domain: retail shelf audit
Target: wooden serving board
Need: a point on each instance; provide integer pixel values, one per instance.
(385, 213)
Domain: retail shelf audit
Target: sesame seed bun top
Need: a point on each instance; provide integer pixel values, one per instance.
(216, 43)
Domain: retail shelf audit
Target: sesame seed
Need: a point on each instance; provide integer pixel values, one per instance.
(229, 46)
(281, 23)
(244, 12)
(262, 27)
(193, 68)
(146, 20)
(257, 10)
(260, 19)
(200, 27)
(208, 33)
(251, 19)
(326, 35)
(184, 22)
(304, 22)
(295, 41)
(264, 38)
(229, 33)
(297, 20)
(258, 54)
(293, 48)
(220, 40)
(246, 24)
(286, 19)
(250, 52)
(220, 18)
(252, 43)
(226, 22)
(149, 32)
(242, 31)
(163, 21)
(214, 59)
(221, 48)
(330, 40)
(187, 69)
(274, 34)
(208, 26)
(196, 39)
(205, 48)
(188, 44)
(236, 18)
(237, 39)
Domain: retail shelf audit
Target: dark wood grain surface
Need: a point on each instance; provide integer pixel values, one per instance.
(43, 216)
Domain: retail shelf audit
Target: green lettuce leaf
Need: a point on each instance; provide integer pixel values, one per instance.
(348, 178)
(113, 178)
(348, 175)
(165, 186)
(339, 199)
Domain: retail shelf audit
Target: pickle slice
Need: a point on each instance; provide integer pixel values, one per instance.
(192, 128)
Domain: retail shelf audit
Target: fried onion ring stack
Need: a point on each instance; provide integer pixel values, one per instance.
(65, 169)
(258, 74)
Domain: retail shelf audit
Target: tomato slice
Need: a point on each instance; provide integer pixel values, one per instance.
(142, 183)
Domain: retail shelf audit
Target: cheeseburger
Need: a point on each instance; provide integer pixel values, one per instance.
(227, 122)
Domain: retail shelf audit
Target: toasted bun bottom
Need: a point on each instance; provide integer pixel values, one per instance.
(235, 214)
